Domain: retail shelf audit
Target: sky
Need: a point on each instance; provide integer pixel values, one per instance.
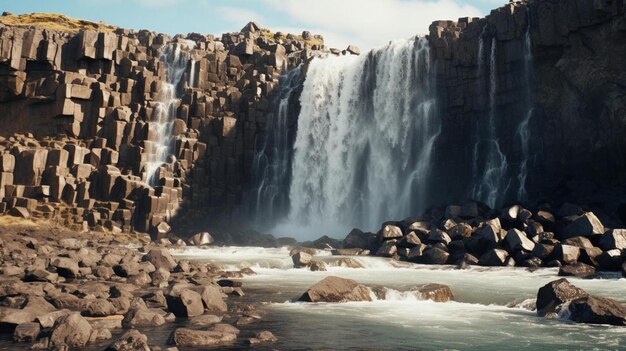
(365, 23)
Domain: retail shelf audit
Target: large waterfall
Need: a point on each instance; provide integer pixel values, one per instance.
(175, 56)
(366, 131)
(523, 130)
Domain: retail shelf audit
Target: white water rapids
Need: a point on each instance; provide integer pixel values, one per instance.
(491, 309)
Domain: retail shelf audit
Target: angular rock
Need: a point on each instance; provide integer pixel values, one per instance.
(71, 330)
(586, 225)
(613, 239)
(201, 239)
(26, 332)
(434, 292)
(516, 240)
(132, 340)
(160, 258)
(187, 304)
(335, 289)
(301, 259)
(212, 298)
(597, 310)
(494, 257)
(555, 293)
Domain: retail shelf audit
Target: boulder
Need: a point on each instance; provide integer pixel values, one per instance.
(160, 258)
(200, 239)
(205, 320)
(555, 293)
(185, 337)
(409, 241)
(301, 259)
(597, 310)
(566, 254)
(187, 303)
(579, 270)
(212, 298)
(438, 236)
(26, 332)
(613, 239)
(132, 340)
(611, 260)
(356, 239)
(387, 249)
(578, 241)
(66, 267)
(494, 257)
(434, 292)
(516, 240)
(71, 330)
(142, 317)
(335, 289)
(586, 225)
(389, 232)
(349, 262)
(435, 255)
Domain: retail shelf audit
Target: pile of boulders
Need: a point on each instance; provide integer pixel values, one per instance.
(472, 234)
(72, 291)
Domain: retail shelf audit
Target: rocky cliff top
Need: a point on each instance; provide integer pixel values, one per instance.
(54, 21)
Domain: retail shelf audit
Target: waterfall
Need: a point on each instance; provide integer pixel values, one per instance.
(175, 60)
(366, 133)
(271, 167)
(490, 162)
(192, 74)
(523, 130)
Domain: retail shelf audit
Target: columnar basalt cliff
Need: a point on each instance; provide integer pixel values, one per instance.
(525, 105)
(84, 119)
(559, 100)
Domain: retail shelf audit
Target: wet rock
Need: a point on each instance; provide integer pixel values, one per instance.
(579, 270)
(597, 310)
(317, 266)
(301, 259)
(349, 262)
(71, 330)
(434, 292)
(263, 337)
(186, 304)
(132, 340)
(185, 337)
(335, 289)
(26, 332)
(416, 254)
(205, 320)
(555, 293)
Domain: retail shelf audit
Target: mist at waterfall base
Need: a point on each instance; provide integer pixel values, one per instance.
(363, 147)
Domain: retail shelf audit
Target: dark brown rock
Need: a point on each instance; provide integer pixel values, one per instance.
(335, 289)
(555, 293)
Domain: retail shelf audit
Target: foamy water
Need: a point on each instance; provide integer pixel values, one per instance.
(493, 307)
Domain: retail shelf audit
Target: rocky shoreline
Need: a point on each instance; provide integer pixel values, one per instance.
(63, 290)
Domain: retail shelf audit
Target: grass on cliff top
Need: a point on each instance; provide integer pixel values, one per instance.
(310, 42)
(54, 21)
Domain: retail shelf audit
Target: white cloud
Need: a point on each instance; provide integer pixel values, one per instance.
(370, 23)
(239, 16)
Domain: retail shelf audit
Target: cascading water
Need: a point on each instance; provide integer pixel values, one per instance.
(271, 167)
(523, 131)
(490, 163)
(366, 133)
(175, 58)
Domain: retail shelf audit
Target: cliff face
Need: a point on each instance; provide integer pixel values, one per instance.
(79, 114)
(573, 86)
(541, 79)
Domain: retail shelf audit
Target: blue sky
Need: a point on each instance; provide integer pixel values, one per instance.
(367, 23)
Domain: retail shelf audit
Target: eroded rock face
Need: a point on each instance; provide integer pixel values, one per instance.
(335, 289)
